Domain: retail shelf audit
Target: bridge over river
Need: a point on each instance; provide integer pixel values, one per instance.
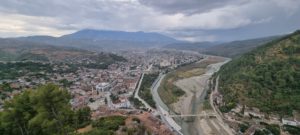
(201, 115)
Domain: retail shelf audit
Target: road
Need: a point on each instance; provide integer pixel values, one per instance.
(219, 115)
(109, 102)
(215, 125)
(162, 107)
(202, 115)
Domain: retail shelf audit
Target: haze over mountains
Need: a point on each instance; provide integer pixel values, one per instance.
(227, 49)
(104, 40)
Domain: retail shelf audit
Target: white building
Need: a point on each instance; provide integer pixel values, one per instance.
(123, 104)
(291, 122)
(102, 87)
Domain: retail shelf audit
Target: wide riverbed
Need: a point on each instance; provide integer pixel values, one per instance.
(191, 102)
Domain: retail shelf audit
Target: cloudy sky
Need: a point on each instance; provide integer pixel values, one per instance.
(193, 20)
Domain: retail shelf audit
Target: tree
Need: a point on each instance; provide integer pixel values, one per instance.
(6, 87)
(54, 110)
(82, 117)
(43, 111)
(17, 112)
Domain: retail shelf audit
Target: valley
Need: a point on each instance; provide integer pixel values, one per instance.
(195, 100)
(150, 67)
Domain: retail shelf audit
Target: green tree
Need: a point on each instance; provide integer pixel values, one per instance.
(6, 87)
(54, 110)
(17, 112)
(43, 111)
(82, 117)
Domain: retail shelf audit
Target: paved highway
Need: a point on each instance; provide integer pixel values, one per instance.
(163, 108)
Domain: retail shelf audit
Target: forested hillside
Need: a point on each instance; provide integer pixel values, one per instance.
(267, 78)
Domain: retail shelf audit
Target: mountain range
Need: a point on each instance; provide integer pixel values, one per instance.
(99, 40)
(227, 49)
(104, 40)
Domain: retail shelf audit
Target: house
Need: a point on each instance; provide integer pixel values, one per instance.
(102, 87)
(124, 103)
(253, 112)
(290, 121)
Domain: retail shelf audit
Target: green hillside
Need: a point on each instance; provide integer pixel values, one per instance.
(267, 78)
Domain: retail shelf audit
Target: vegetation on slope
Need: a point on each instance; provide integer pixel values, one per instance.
(266, 78)
(43, 111)
(14, 70)
(106, 125)
(47, 111)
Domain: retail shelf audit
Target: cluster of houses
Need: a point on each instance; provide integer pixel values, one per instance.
(253, 116)
(96, 87)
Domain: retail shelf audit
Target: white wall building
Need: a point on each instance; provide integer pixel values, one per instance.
(290, 122)
(102, 87)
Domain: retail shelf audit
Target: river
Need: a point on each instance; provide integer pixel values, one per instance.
(189, 126)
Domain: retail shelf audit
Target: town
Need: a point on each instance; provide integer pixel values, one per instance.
(102, 90)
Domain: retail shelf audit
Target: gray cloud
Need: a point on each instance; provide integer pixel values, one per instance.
(184, 19)
(188, 6)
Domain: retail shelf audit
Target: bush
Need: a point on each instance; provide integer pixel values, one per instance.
(136, 119)
(274, 129)
(243, 127)
(109, 123)
(292, 129)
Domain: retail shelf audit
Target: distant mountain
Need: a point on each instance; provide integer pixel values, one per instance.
(237, 48)
(21, 50)
(228, 49)
(197, 46)
(99, 40)
(104, 35)
(104, 40)
(266, 78)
